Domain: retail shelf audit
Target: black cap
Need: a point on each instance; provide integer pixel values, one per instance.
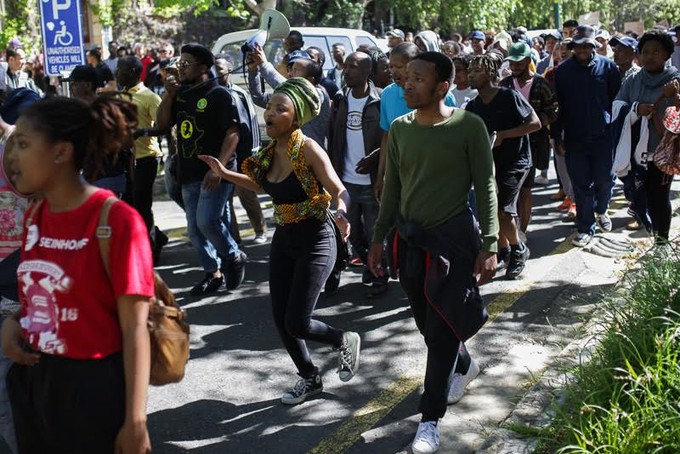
(84, 73)
(201, 53)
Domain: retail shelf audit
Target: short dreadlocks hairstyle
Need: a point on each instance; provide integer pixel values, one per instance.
(490, 62)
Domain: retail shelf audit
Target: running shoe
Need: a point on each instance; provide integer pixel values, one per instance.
(304, 388)
(518, 260)
(582, 239)
(604, 222)
(459, 381)
(209, 284)
(350, 350)
(426, 440)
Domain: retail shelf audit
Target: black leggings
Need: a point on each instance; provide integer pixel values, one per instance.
(67, 406)
(301, 259)
(658, 186)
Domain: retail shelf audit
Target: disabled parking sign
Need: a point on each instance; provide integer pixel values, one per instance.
(62, 35)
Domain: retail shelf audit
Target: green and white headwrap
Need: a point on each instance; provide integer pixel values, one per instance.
(304, 96)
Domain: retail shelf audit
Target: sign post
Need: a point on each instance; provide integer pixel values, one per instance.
(62, 35)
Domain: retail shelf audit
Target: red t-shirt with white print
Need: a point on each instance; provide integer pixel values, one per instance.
(69, 304)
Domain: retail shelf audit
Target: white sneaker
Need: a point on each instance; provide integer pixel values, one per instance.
(427, 438)
(459, 381)
(260, 238)
(582, 239)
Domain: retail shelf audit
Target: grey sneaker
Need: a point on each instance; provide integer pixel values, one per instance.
(304, 388)
(260, 238)
(603, 222)
(426, 440)
(350, 351)
(582, 239)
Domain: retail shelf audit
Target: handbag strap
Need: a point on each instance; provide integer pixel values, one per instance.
(103, 233)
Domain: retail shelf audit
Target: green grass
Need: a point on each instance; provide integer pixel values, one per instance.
(626, 399)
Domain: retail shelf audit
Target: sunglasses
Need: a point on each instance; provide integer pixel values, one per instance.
(184, 64)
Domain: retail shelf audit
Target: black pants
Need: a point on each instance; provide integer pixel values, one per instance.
(145, 175)
(66, 406)
(444, 350)
(301, 259)
(658, 187)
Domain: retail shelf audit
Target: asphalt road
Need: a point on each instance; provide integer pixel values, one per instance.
(229, 400)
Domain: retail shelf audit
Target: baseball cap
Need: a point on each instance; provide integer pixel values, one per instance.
(477, 35)
(298, 55)
(518, 52)
(553, 34)
(585, 34)
(84, 73)
(396, 33)
(626, 41)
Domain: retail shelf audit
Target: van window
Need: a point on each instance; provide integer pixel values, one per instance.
(320, 42)
(366, 40)
(339, 40)
(272, 49)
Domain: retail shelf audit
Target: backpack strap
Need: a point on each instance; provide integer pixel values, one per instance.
(104, 233)
(31, 212)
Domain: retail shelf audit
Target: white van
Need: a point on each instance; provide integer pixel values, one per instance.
(321, 37)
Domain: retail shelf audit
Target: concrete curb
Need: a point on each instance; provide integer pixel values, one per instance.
(535, 409)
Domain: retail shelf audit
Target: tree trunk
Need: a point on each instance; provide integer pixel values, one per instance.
(258, 8)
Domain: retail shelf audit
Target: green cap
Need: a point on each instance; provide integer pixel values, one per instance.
(518, 52)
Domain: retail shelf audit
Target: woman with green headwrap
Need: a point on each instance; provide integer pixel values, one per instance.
(297, 173)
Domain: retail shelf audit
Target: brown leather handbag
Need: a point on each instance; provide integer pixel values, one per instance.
(168, 329)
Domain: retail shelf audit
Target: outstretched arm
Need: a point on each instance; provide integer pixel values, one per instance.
(238, 179)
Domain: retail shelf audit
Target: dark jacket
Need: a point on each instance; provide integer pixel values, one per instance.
(370, 125)
(446, 255)
(585, 95)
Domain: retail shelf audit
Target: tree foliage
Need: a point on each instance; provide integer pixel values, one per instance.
(180, 20)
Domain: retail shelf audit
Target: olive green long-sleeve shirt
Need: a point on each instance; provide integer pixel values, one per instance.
(430, 170)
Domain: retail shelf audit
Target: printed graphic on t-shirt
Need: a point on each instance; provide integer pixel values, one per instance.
(190, 135)
(40, 282)
(354, 120)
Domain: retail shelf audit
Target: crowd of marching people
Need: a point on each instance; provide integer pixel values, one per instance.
(427, 154)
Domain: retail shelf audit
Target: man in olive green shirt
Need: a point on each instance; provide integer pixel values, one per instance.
(434, 156)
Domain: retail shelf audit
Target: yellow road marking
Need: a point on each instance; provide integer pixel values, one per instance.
(368, 416)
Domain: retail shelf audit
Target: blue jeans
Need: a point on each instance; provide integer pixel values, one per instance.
(208, 223)
(590, 168)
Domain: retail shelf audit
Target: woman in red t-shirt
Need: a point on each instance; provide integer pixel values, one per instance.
(80, 341)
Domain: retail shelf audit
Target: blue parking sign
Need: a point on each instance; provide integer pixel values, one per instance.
(62, 35)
